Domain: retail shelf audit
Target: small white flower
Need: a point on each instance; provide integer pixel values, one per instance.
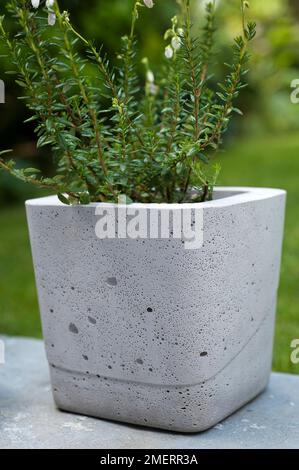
(176, 43)
(51, 19)
(150, 76)
(50, 3)
(35, 3)
(168, 52)
(152, 89)
(148, 3)
(180, 32)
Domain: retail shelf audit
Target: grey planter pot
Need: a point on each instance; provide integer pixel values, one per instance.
(147, 332)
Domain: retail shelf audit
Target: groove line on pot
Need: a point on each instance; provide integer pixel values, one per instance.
(180, 385)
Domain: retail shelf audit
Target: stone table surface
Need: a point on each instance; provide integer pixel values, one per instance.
(29, 419)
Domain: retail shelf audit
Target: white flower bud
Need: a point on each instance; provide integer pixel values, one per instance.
(176, 43)
(150, 77)
(65, 16)
(148, 3)
(35, 3)
(168, 52)
(152, 89)
(51, 19)
(50, 3)
(180, 32)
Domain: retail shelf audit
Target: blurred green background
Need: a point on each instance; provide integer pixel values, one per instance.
(261, 149)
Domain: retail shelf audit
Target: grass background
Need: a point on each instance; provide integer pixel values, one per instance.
(264, 161)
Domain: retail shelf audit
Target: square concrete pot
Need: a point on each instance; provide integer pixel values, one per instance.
(147, 332)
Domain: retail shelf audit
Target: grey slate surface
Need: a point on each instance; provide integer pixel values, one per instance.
(28, 418)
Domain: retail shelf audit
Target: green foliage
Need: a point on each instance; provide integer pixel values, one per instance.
(110, 134)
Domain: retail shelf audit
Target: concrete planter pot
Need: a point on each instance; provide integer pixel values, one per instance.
(148, 332)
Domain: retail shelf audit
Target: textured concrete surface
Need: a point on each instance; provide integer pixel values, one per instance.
(146, 332)
(28, 418)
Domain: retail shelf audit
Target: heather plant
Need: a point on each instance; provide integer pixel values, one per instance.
(110, 133)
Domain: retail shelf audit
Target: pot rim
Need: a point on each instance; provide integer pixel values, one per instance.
(227, 196)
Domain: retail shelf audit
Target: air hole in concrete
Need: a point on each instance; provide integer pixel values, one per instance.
(73, 328)
(111, 281)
